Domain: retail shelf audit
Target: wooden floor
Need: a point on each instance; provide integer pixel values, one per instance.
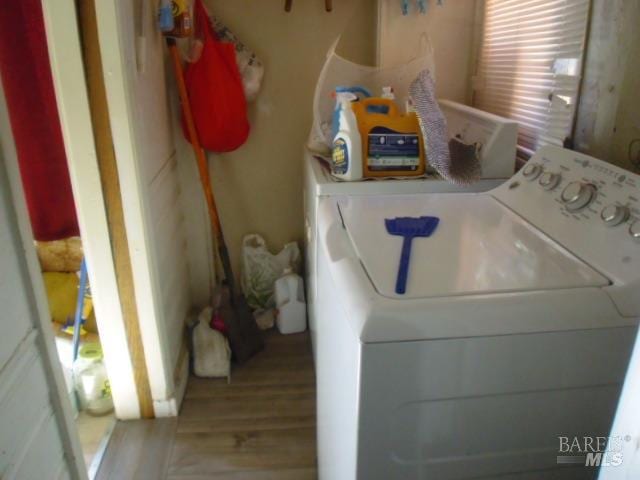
(92, 432)
(261, 426)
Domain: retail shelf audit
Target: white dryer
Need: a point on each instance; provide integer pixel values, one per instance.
(516, 327)
(495, 138)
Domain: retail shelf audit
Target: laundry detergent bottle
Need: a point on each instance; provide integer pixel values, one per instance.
(346, 158)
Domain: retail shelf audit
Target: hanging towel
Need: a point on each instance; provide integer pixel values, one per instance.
(33, 113)
(454, 161)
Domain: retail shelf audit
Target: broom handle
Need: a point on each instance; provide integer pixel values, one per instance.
(205, 179)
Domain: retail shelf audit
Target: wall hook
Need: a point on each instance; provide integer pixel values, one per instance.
(405, 7)
(328, 5)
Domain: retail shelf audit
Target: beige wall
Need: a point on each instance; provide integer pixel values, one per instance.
(451, 30)
(259, 186)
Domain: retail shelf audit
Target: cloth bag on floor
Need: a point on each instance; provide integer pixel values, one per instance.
(210, 349)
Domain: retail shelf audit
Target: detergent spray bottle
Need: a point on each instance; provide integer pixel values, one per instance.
(346, 159)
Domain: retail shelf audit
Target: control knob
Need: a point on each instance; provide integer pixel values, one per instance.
(634, 230)
(578, 195)
(549, 180)
(531, 171)
(613, 215)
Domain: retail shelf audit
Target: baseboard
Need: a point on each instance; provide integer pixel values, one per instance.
(171, 406)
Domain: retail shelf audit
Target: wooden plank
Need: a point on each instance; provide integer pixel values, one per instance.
(92, 431)
(140, 125)
(113, 200)
(296, 376)
(233, 451)
(65, 54)
(202, 390)
(138, 449)
(261, 426)
(250, 407)
(288, 474)
(218, 425)
(284, 366)
(253, 428)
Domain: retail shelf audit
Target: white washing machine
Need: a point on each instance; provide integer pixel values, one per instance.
(516, 327)
(494, 136)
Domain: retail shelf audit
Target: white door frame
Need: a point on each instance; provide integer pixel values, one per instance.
(134, 195)
(67, 68)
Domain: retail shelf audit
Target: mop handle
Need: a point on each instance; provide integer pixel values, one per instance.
(77, 323)
(205, 179)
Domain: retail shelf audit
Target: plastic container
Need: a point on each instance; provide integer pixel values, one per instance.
(346, 158)
(387, 93)
(91, 381)
(182, 25)
(290, 303)
(165, 16)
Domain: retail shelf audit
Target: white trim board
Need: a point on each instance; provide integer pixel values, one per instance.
(141, 131)
(73, 107)
(132, 190)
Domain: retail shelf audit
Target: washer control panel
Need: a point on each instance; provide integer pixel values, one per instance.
(589, 206)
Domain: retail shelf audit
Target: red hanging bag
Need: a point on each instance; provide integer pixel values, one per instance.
(215, 91)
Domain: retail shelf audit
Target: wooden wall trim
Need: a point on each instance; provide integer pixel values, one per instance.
(113, 199)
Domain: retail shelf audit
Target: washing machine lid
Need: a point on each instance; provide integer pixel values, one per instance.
(479, 247)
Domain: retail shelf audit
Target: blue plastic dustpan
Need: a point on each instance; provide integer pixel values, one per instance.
(409, 228)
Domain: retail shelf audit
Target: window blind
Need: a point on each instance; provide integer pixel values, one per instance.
(530, 65)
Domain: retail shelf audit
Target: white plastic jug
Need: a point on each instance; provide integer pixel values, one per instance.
(92, 383)
(290, 304)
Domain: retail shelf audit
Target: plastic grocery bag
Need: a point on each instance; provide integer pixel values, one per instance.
(250, 67)
(261, 269)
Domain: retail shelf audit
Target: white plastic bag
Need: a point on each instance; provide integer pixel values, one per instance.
(211, 351)
(261, 269)
(250, 66)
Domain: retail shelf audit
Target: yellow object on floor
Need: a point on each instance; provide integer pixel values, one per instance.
(62, 293)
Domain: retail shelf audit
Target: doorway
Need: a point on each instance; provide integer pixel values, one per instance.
(32, 145)
(33, 148)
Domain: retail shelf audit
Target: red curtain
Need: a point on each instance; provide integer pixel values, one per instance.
(28, 88)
